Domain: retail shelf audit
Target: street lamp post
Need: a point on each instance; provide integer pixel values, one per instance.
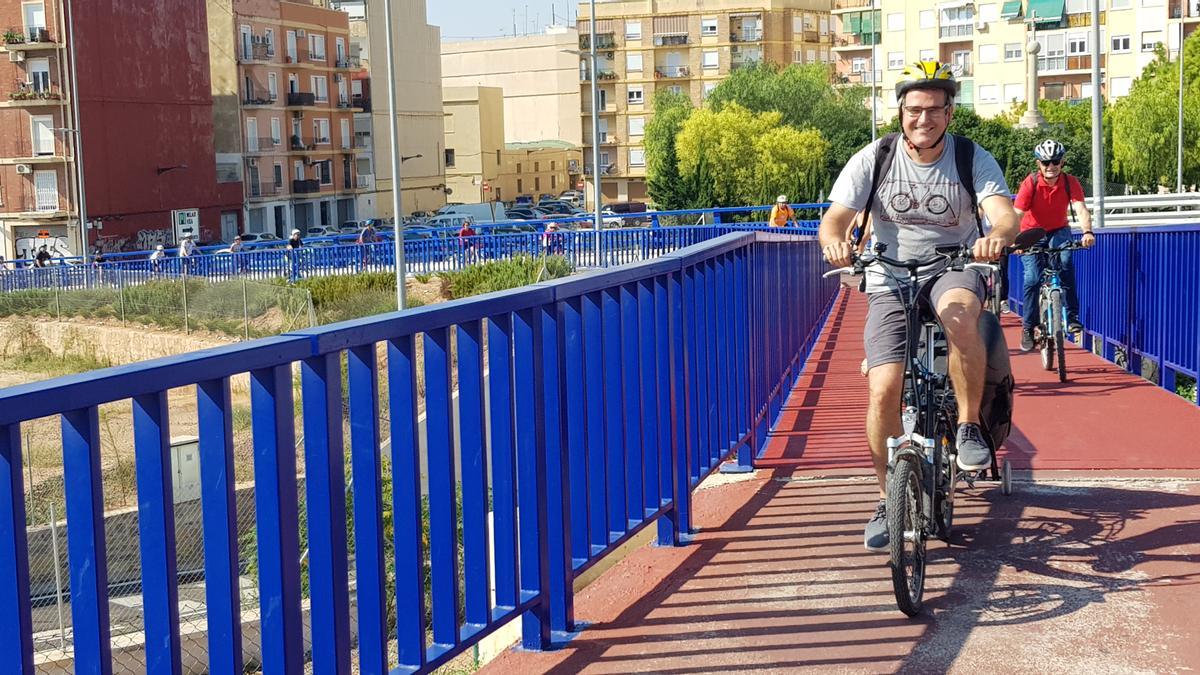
(393, 124)
(596, 223)
(1179, 137)
(77, 135)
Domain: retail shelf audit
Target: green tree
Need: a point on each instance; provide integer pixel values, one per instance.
(805, 98)
(666, 187)
(1145, 123)
(736, 156)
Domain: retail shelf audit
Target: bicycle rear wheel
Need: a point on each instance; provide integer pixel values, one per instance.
(1049, 328)
(905, 513)
(1059, 335)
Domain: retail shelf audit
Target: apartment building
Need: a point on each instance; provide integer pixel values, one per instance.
(985, 41)
(295, 68)
(481, 167)
(538, 74)
(685, 46)
(145, 120)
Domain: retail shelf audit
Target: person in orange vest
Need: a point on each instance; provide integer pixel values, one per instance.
(782, 213)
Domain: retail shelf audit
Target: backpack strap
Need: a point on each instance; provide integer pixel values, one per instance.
(1070, 209)
(964, 161)
(884, 154)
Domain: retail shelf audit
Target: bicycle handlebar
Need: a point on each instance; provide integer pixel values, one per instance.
(1071, 246)
(954, 255)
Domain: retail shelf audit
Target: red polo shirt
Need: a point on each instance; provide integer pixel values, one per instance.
(1050, 206)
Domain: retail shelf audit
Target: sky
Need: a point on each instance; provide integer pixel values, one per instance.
(465, 19)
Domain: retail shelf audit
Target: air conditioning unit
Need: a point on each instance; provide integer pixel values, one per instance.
(981, 25)
(24, 169)
(16, 57)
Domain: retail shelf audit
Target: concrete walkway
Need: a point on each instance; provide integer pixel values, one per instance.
(1082, 570)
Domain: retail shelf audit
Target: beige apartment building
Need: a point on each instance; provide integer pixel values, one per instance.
(481, 167)
(294, 73)
(985, 41)
(688, 46)
(538, 75)
(418, 107)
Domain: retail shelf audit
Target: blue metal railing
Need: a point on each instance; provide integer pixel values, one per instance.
(1139, 292)
(591, 405)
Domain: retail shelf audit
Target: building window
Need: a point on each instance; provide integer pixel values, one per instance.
(633, 63)
(1120, 44)
(1014, 92)
(989, 53)
(989, 13)
(320, 87)
(1012, 51)
(553, 165)
(39, 74)
(895, 22)
(927, 55)
(554, 182)
(633, 30)
(1054, 53)
(675, 89)
(798, 56)
(858, 64)
(1054, 92)
(520, 186)
(518, 167)
(1118, 4)
(273, 86)
(810, 55)
(449, 152)
(1077, 44)
(928, 18)
(989, 93)
(537, 167)
(537, 183)
(637, 157)
(711, 60)
(316, 47)
(298, 168)
(321, 131)
(895, 60)
(326, 172)
(708, 88)
(824, 23)
(1120, 86)
(637, 126)
(497, 158)
(634, 96)
(708, 27)
(1150, 39)
(276, 131)
(277, 174)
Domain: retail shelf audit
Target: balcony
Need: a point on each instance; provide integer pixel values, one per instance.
(301, 100)
(258, 52)
(304, 187)
(34, 96)
(600, 75)
(31, 208)
(670, 40)
(738, 64)
(851, 4)
(672, 72)
(957, 31)
(746, 35)
(262, 190)
(362, 142)
(259, 102)
(316, 58)
(605, 41)
(16, 39)
(854, 41)
(363, 103)
(297, 144)
(1084, 19)
(263, 144)
(348, 63)
(1082, 63)
(365, 181)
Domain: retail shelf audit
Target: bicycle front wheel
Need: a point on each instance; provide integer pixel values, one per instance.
(905, 515)
(1050, 327)
(1059, 335)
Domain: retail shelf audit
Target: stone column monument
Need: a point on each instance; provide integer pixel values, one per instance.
(1032, 119)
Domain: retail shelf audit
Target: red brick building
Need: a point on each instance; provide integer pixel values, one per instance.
(145, 109)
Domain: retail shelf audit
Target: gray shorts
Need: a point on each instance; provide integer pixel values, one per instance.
(884, 335)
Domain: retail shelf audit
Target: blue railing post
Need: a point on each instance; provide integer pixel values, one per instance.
(551, 445)
(156, 529)
(614, 450)
(632, 409)
(222, 588)
(16, 640)
(680, 413)
(648, 410)
(443, 534)
(531, 498)
(87, 553)
(406, 505)
(504, 476)
(476, 567)
(596, 447)
(661, 357)
(276, 513)
(575, 419)
(325, 494)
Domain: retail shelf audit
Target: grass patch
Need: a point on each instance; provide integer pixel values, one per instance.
(1186, 387)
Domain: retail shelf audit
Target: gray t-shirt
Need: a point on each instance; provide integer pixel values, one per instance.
(918, 206)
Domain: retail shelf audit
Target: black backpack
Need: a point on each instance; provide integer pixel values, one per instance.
(964, 161)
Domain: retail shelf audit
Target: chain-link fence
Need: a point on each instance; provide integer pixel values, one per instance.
(236, 307)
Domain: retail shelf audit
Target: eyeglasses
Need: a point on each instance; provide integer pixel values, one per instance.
(936, 112)
(1050, 162)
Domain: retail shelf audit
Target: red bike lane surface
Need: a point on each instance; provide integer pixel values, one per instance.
(1086, 572)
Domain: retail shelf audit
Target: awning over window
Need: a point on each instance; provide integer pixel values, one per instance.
(853, 22)
(1011, 9)
(671, 25)
(1046, 11)
(602, 26)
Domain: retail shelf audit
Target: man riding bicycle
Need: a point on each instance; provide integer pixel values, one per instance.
(1043, 200)
(919, 203)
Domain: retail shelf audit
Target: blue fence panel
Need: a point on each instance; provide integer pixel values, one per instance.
(604, 398)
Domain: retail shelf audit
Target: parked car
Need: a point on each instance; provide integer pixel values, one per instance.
(487, 212)
(261, 239)
(546, 196)
(448, 220)
(523, 199)
(572, 197)
(557, 207)
(629, 209)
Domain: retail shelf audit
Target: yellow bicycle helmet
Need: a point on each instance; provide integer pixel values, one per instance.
(927, 75)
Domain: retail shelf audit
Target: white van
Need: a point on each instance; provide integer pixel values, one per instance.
(490, 212)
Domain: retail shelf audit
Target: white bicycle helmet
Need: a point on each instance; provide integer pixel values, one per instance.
(1049, 150)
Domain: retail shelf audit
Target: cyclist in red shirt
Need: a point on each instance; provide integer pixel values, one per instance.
(1043, 200)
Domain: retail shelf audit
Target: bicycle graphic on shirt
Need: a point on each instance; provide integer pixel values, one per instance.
(919, 204)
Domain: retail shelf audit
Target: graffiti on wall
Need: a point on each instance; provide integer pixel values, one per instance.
(148, 239)
(27, 247)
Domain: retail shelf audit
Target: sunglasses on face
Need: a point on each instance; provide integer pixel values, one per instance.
(1050, 162)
